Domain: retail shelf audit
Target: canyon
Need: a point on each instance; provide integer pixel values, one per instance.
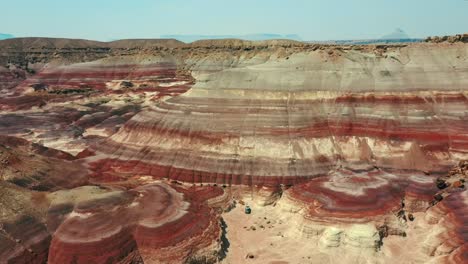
(147, 151)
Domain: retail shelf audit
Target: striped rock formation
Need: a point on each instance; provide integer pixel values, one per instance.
(270, 119)
(154, 223)
(351, 141)
(50, 214)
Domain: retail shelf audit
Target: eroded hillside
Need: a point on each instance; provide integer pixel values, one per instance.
(152, 143)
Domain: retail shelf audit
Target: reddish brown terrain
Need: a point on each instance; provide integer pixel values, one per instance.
(147, 151)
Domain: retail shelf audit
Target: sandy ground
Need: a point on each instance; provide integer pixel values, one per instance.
(271, 234)
(265, 243)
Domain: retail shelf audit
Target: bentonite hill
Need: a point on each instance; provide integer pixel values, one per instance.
(149, 151)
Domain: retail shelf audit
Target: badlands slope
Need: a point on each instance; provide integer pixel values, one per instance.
(147, 150)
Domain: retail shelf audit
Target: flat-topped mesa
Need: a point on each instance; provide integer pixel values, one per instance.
(268, 119)
(23, 44)
(283, 114)
(247, 44)
(346, 141)
(21, 51)
(34, 43)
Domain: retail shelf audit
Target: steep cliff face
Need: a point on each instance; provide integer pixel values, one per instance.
(351, 139)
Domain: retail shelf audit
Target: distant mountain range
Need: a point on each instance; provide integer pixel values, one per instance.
(397, 36)
(368, 41)
(6, 36)
(260, 36)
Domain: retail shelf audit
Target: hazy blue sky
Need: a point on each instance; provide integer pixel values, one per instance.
(311, 19)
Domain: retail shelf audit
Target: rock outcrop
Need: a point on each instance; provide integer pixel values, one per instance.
(268, 119)
(450, 39)
(132, 150)
(155, 223)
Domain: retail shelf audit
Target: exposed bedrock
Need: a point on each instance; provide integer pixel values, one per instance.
(48, 213)
(38, 168)
(348, 145)
(359, 197)
(447, 219)
(70, 106)
(27, 172)
(373, 216)
(268, 119)
(24, 240)
(154, 222)
(154, 74)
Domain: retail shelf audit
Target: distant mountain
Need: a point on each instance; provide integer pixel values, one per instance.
(397, 34)
(6, 36)
(367, 41)
(261, 36)
(396, 37)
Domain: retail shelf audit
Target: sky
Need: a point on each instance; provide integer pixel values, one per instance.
(310, 19)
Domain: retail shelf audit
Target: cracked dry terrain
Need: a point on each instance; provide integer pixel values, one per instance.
(147, 151)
